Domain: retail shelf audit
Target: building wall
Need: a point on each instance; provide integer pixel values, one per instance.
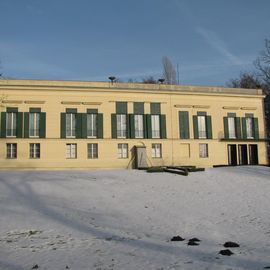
(54, 97)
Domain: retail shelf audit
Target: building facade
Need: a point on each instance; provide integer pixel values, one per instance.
(74, 124)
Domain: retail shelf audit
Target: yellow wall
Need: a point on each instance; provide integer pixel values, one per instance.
(53, 97)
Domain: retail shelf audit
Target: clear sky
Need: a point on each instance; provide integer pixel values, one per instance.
(210, 40)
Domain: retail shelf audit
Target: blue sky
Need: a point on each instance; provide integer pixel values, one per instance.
(211, 40)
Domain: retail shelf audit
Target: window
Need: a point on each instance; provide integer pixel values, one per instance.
(70, 125)
(231, 127)
(34, 150)
(202, 127)
(249, 125)
(156, 150)
(91, 125)
(138, 119)
(11, 150)
(11, 124)
(203, 150)
(121, 125)
(92, 150)
(71, 150)
(34, 124)
(155, 126)
(122, 150)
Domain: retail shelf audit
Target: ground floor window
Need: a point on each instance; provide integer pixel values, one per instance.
(11, 150)
(71, 150)
(203, 150)
(122, 150)
(92, 149)
(34, 150)
(156, 150)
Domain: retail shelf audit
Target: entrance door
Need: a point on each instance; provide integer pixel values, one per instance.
(253, 154)
(243, 156)
(232, 155)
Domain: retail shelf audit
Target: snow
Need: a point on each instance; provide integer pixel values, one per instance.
(124, 219)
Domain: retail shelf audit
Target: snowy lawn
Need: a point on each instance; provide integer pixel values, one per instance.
(124, 219)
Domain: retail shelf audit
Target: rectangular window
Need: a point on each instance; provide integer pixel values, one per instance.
(70, 125)
(34, 119)
(203, 150)
(249, 125)
(92, 125)
(11, 150)
(121, 123)
(92, 149)
(71, 150)
(202, 127)
(155, 122)
(122, 150)
(231, 127)
(138, 120)
(156, 150)
(34, 150)
(11, 124)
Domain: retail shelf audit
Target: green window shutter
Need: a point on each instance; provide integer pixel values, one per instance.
(256, 128)
(183, 125)
(19, 125)
(3, 125)
(149, 126)
(163, 131)
(195, 127)
(63, 125)
(113, 126)
(138, 108)
(26, 125)
(121, 107)
(145, 126)
(244, 128)
(132, 125)
(209, 127)
(78, 125)
(84, 125)
(238, 127)
(226, 127)
(155, 108)
(42, 127)
(100, 125)
(128, 126)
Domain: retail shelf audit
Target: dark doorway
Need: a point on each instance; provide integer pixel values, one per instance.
(243, 156)
(253, 154)
(232, 155)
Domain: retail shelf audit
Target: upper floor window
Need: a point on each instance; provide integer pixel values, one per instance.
(91, 125)
(138, 121)
(11, 120)
(70, 125)
(34, 120)
(202, 127)
(121, 124)
(231, 127)
(250, 128)
(155, 125)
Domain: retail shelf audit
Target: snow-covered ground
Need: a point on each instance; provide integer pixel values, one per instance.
(124, 219)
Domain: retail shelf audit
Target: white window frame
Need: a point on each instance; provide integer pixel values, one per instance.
(231, 128)
(202, 131)
(34, 150)
(155, 126)
(249, 128)
(121, 126)
(91, 125)
(35, 117)
(122, 150)
(71, 150)
(156, 150)
(71, 118)
(203, 150)
(11, 151)
(92, 150)
(13, 124)
(138, 126)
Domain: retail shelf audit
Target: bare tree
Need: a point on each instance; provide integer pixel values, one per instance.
(149, 79)
(245, 80)
(169, 73)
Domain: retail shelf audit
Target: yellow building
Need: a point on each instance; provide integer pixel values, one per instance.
(75, 124)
